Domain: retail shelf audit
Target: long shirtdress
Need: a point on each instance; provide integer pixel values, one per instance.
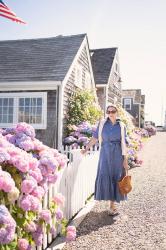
(110, 166)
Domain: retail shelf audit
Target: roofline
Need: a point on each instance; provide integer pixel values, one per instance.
(92, 50)
(130, 89)
(42, 38)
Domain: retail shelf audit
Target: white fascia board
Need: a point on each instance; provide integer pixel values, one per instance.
(35, 85)
(60, 116)
(90, 64)
(101, 85)
(74, 62)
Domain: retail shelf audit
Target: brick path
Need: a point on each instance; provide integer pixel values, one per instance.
(142, 220)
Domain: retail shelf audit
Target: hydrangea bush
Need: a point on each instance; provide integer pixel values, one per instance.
(27, 167)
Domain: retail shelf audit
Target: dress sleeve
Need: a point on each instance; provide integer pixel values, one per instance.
(96, 133)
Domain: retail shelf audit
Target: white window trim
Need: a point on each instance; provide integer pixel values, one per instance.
(78, 83)
(128, 99)
(16, 97)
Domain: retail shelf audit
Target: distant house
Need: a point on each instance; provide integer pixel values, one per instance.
(37, 77)
(134, 102)
(106, 69)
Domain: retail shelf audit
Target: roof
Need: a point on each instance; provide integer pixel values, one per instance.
(102, 60)
(38, 59)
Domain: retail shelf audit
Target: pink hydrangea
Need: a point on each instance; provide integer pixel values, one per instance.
(23, 244)
(6, 182)
(59, 214)
(26, 129)
(52, 178)
(30, 203)
(59, 199)
(45, 215)
(28, 185)
(31, 227)
(38, 192)
(4, 156)
(8, 226)
(71, 233)
(38, 236)
(36, 174)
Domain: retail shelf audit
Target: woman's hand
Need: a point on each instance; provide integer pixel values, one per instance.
(84, 151)
(125, 164)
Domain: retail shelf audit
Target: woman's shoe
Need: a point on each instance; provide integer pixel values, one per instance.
(112, 212)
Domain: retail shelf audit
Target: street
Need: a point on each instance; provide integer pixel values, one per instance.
(141, 223)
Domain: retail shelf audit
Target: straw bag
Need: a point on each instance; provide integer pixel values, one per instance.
(125, 184)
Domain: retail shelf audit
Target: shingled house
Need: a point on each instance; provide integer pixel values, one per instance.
(134, 102)
(106, 69)
(37, 77)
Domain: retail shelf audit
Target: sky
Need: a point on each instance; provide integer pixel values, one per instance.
(136, 27)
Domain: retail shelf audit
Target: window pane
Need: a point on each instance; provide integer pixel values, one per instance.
(11, 102)
(27, 101)
(33, 101)
(21, 101)
(10, 119)
(0, 118)
(26, 119)
(5, 110)
(5, 102)
(26, 110)
(4, 118)
(10, 110)
(21, 118)
(34, 110)
(38, 119)
(39, 111)
(0, 110)
(21, 109)
(39, 101)
(0, 101)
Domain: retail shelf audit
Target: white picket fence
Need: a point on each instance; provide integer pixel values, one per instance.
(76, 183)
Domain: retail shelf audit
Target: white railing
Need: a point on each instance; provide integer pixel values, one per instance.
(76, 183)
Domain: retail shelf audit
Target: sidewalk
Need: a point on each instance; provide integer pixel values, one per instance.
(142, 220)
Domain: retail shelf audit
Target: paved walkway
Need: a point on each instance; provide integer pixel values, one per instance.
(142, 220)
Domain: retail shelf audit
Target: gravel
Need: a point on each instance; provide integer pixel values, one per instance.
(141, 223)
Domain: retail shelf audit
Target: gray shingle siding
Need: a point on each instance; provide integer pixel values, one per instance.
(70, 86)
(38, 59)
(49, 135)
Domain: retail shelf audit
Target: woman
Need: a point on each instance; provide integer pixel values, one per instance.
(112, 161)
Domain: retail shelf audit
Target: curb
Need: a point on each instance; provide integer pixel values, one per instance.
(60, 242)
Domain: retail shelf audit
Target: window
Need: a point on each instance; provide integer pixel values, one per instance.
(78, 76)
(27, 107)
(127, 103)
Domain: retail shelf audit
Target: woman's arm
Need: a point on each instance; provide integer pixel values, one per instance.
(92, 142)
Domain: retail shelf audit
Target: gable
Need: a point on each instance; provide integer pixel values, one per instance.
(102, 61)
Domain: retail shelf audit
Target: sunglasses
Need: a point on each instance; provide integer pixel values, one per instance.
(111, 111)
